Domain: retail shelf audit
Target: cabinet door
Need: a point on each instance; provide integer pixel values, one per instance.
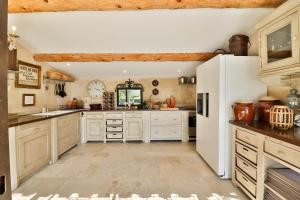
(94, 129)
(280, 43)
(67, 132)
(134, 129)
(33, 152)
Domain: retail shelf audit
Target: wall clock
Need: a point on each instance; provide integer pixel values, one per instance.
(96, 88)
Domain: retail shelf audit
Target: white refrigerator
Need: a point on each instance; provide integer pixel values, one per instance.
(221, 81)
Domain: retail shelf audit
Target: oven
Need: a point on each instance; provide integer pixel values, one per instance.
(192, 125)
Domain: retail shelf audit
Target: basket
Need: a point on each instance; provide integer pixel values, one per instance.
(96, 106)
(239, 44)
(281, 117)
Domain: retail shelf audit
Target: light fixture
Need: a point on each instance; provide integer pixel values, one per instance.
(124, 71)
(68, 64)
(178, 71)
(12, 39)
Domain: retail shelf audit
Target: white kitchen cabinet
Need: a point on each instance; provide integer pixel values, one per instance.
(166, 125)
(67, 132)
(33, 147)
(134, 129)
(279, 40)
(95, 129)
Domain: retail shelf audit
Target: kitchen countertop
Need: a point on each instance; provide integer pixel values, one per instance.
(135, 110)
(26, 119)
(291, 136)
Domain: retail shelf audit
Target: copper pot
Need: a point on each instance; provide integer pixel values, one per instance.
(263, 108)
(244, 111)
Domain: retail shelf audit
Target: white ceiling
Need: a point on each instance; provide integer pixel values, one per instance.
(151, 31)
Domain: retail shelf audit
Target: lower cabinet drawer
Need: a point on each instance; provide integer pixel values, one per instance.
(246, 152)
(114, 129)
(246, 182)
(247, 137)
(114, 116)
(282, 152)
(166, 133)
(246, 167)
(114, 122)
(114, 136)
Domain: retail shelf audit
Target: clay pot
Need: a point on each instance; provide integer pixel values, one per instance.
(171, 102)
(244, 111)
(263, 108)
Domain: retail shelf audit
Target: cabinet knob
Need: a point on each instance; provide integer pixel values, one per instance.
(294, 38)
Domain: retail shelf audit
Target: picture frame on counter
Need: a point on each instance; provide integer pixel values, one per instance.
(29, 75)
(28, 100)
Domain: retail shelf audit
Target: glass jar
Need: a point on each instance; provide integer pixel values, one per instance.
(293, 99)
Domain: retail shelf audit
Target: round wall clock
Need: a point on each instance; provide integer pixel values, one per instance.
(155, 82)
(155, 91)
(96, 88)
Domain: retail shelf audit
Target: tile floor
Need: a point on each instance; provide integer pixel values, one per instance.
(133, 168)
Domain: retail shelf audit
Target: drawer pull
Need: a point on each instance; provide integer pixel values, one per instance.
(281, 152)
(37, 129)
(245, 179)
(245, 149)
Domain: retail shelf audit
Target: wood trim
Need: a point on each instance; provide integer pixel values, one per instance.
(26, 95)
(26, 6)
(110, 57)
(18, 85)
(4, 144)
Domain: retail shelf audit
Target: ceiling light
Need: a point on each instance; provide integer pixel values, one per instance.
(178, 70)
(14, 29)
(68, 64)
(124, 71)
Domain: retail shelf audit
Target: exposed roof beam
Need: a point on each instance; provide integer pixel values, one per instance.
(111, 57)
(25, 6)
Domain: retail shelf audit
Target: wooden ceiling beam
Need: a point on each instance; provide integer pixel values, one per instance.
(27, 6)
(112, 57)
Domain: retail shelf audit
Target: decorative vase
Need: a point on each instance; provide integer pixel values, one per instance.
(244, 111)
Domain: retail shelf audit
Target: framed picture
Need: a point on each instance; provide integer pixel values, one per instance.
(29, 75)
(28, 99)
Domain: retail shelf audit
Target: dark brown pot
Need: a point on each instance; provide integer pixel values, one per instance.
(263, 109)
(244, 112)
(239, 44)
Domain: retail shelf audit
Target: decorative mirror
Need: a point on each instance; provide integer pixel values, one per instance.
(129, 92)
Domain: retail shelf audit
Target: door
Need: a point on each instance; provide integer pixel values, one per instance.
(134, 128)
(207, 142)
(94, 129)
(5, 193)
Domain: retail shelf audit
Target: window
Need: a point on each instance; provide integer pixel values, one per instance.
(129, 92)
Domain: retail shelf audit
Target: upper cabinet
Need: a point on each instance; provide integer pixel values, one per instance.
(279, 40)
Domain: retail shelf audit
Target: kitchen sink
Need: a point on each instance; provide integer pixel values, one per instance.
(53, 113)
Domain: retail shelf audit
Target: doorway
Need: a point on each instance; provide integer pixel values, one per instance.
(5, 193)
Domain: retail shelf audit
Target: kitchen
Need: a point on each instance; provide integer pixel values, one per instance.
(131, 101)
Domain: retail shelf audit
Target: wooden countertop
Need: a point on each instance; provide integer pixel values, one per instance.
(291, 136)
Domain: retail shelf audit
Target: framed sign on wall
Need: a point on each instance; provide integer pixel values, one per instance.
(29, 76)
(28, 99)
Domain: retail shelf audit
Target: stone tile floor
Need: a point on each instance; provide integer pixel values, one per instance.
(98, 170)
